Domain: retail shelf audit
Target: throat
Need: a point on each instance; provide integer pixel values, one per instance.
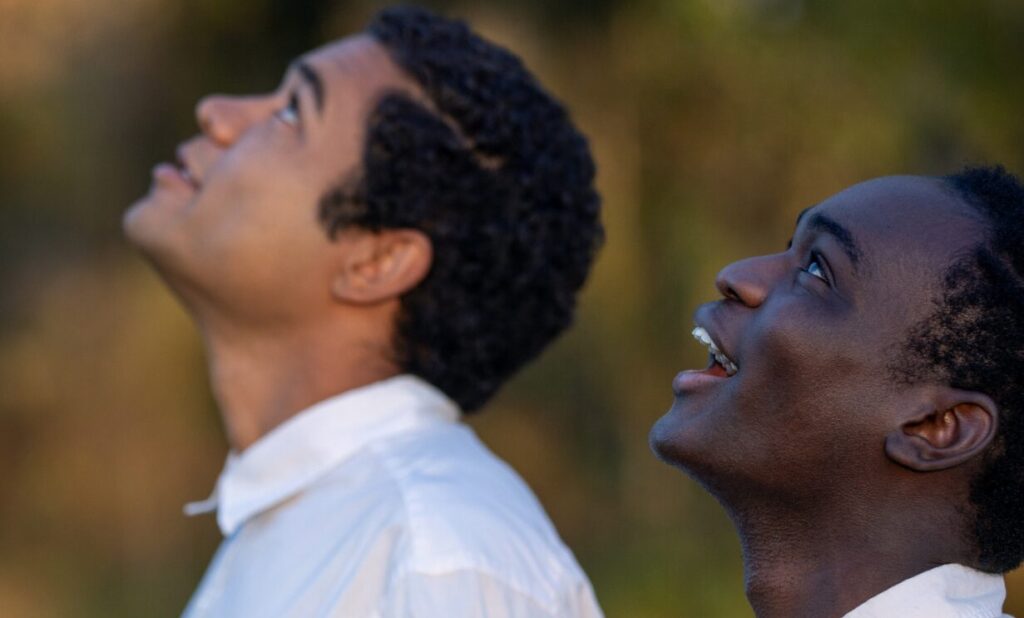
(818, 566)
(259, 383)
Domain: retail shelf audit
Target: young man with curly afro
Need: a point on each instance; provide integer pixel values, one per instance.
(862, 414)
(369, 252)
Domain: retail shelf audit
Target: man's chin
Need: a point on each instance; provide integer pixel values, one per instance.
(151, 222)
(687, 435)
(669, 436)
(169, 198)
(134, 223)
(157, 237)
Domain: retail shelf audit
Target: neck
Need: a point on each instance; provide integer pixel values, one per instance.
(261, 379)
(801, 562)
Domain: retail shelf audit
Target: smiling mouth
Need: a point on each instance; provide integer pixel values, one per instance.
(184, 172)
(720, 364)
(720, 368)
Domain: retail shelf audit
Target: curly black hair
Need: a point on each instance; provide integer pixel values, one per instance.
(492, 169)
(974, 340)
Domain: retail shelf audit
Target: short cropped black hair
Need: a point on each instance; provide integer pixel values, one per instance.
(974, 340)
(494, 172)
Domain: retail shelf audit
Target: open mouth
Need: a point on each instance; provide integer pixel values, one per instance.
(186, 174)
(720, 367)
(719, 364)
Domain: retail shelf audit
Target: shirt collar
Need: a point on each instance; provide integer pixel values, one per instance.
(948, 591)
(298, 451)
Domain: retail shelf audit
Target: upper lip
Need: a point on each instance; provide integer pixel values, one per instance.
(705, 324)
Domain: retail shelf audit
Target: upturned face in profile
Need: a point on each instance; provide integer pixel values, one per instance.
(233, 224)
(799, 400)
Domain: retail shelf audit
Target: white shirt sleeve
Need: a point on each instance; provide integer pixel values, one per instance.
(470, 593)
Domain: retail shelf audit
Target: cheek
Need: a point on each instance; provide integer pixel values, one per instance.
(258, 242)
(252, 198)
(819, 377)
(802, 354)
(260, 236)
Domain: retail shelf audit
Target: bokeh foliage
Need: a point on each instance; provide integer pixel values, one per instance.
(714, 122)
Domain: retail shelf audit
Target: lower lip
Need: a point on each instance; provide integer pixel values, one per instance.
(169, 174)
(693, 380)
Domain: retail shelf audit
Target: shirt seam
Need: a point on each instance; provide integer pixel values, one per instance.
(405, 570)
(389, 468)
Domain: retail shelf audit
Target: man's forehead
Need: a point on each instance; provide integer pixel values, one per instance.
(350, 49)
(901, 210)
(358, 56)
(357, 68)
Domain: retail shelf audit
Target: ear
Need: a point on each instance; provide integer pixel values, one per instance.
(951, 428)
(378, 266)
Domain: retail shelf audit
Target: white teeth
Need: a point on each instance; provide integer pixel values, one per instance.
(701, 335)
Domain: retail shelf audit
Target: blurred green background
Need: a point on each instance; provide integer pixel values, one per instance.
(713, 121)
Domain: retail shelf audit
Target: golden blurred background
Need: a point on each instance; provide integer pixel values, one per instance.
(713, 121)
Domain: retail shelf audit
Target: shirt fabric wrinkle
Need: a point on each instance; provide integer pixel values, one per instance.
(379, 492)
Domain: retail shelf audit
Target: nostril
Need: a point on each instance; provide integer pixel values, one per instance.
(749, 280)
(726, 287)
(205, 125)
(214, 115)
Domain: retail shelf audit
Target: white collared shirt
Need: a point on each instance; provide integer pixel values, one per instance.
(948, 591)
(379, 503)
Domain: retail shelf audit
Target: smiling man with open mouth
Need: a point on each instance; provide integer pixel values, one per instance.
(861, 417)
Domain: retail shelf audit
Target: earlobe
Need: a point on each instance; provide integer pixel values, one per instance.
(379, 266)
(955, 428)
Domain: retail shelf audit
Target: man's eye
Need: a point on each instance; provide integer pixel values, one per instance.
(815, 270)
(289, 114)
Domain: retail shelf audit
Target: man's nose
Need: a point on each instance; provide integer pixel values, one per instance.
(223, 118)
(750, 281)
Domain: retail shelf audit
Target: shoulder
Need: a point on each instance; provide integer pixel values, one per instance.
(470, 517)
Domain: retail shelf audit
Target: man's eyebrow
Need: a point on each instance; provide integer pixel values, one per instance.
(824, 223)
(799, 218)
(314, 80)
